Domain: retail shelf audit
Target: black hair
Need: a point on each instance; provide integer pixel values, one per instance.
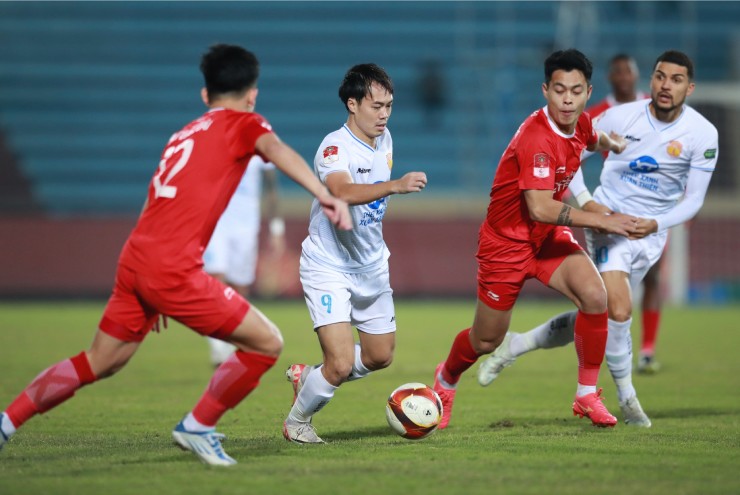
(678, 58)
(568, 60)
(358, 80)
(619, 57)
(228, 69)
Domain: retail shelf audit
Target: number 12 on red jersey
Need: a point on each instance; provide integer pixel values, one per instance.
(161, 188)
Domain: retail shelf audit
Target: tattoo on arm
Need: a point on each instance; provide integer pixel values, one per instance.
(564, 217)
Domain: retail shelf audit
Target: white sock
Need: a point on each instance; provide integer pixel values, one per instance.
(192, 424)
(585, 390)
(555, 332)
(358, 369)
(315, 394)
(6, 425)
(619, 357)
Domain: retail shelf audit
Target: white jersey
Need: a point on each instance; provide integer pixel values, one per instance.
(650, 176)
(244, 206)
(361, 249)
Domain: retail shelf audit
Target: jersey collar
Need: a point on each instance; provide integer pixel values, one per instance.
(659, 125)
(555, 127)
(363, 143)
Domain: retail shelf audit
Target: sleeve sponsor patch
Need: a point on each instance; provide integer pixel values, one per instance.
(331, 155)
(541, 165)
(710, 153)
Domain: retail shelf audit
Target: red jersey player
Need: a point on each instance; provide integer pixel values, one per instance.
(160, 270)
(526, 235)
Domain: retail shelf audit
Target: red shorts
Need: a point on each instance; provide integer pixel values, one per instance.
(196, 300)
(504, 266)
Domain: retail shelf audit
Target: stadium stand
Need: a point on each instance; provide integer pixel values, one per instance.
(89, 91)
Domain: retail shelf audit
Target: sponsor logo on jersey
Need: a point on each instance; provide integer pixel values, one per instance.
(389, 159)
(631, 138)
(563, 184)
(560, 170)
(674, 148)
(644, 164)
(363, 170)
(710, 153)
(541, 165)
(331, 154)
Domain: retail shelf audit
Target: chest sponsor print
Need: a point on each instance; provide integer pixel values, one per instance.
(644, 164)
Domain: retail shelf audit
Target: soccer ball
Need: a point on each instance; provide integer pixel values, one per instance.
(413, 410)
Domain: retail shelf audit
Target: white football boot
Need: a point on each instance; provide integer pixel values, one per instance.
(494, 364)
(205, 445)
(300, 432)
(633, 414)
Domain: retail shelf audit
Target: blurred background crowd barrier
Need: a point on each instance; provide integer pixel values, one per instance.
(91, 91)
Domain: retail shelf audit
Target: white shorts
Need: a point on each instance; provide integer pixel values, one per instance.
(365, 300)
(611, 252)
(232, 251)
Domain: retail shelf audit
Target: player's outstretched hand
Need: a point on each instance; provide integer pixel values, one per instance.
(644, 227)
(411, 182)
(336, 211)
(619, 223)
(618, 143)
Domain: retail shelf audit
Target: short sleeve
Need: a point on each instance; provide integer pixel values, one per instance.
(242, 136)
(592, 137)
(536, 164)
(332, 157)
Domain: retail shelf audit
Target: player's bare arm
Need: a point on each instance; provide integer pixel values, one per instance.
(595, 207)
(295, 167)
(609, 142)
(340, 185)
(543, 208)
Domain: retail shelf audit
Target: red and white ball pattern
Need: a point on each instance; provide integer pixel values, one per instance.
(413, 410)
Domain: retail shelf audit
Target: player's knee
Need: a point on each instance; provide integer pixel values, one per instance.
(593, 298)
(620, 314)
(273, 345)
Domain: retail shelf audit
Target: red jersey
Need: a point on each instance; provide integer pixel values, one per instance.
(539, 157)
(200, 169)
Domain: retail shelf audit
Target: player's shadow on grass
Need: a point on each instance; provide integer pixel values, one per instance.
(529, 422)
(359, 433)
(691, 412)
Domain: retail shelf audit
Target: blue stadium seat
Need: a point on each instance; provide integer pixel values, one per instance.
(91, 91)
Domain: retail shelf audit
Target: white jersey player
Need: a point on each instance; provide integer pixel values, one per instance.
(231, 254)
(345, 274)
(662, 177)
(362, 249)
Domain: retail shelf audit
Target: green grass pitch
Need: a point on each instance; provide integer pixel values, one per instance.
(517, 436)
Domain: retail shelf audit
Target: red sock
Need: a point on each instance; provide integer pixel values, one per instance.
(462, 356)
(50, 388)
(231, 383)
(590, 337)
(650, 325)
